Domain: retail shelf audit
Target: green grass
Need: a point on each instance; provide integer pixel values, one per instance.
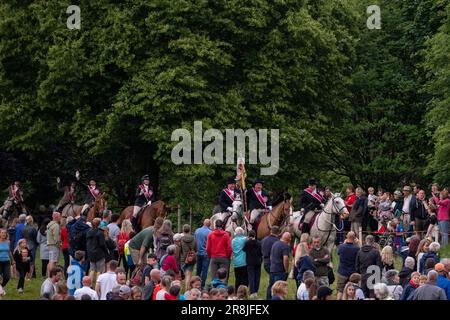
(32, 287)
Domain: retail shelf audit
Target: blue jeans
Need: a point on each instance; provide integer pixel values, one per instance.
(202, 268)
(274, 277)
(443, 229)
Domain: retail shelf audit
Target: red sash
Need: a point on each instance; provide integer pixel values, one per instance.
(229, 194)
(147, 194)
(260, 198)
(15, 194)
(314, 194)
(94, 191)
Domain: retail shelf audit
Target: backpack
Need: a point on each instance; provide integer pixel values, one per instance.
(122, 238)
(164, 242)
(161, 262)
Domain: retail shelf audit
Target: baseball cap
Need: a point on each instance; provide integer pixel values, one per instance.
(439, 267)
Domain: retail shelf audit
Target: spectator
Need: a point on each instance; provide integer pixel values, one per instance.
(111, 246)
(430, 291)
(125, 292)
(242, 293)
(19, 228)
(432, 253)
(310, 290)
(423, 248)
(409, 200)
(239, 258)
(443, 216)
(266, 246)
(279, 261)
(77, 235)
(382, 292)
(221, 279)
(320, 256)
(279, 290)
(387, 258)
(6, 258)
(140, 244)
(357, 212)
(253, 258)
(304, 263)
(188, 254)
(405, 273)
(355, 280)
(152, 263)
(75, 272)
(201, 237)
(393, 284)
(323, 293)
(168, 261)
(442, 281)
(136, 293)
(349, 292)
(367, 256)
(107, 281)
(410, 288)
(23, 263)
(164, 239)
(218, 248)
(164, 288)
(48, 287)
(65, 243)
(150, 286)
(86, 289)
(29, 233)
(42, 241)
(122, 238)
(420, 212)
(54, 240)
(308, 274)
(174, 292)
(96, 248)
(347, 253)
(194, 294)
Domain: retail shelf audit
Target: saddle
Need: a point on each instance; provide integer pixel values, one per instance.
(136, 222)
(305, 227)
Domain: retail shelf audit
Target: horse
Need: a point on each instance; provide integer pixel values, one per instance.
(148, 214)
(237, 218)
(324, 225)
(279, 216)
(71, 209)
(294, 224)
(13, 212)
(98, 208)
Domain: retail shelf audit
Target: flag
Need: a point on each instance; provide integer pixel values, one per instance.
(240, 172)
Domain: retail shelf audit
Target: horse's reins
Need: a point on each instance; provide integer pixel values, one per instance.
(331, 213)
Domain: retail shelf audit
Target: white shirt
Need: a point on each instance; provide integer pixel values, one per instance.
(160, 295)
(406, 202)
(107, 282)
(85, 290)
(302, 292)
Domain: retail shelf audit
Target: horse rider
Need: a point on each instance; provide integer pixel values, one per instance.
(258, 201)
(15, 198)
(92, 194)
(227, 197)
(70, 193)
(144, 197)
(310, 202)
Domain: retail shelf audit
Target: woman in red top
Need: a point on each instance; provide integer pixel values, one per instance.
(65, 243)
(168, 261)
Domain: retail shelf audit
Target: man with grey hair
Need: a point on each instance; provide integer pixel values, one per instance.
(409, 200)
(446, 263)
(393, 284)
(19, 228)
(54, 240)
(407, 270)
(381, 291)
(368, 256)
(430, 291)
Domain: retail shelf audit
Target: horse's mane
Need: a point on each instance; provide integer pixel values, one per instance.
(280, 197)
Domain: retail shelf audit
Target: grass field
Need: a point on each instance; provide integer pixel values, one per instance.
(32, 287)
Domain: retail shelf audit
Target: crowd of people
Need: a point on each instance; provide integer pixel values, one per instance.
(389, 249)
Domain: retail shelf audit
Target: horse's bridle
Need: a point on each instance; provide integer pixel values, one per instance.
(339, 210)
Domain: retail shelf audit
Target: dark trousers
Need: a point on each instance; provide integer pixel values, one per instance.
(202, 268)
(128, 269)
(369, 222)
(217, 263)
(5, 272)
(240, 275)
(44, 268)
(22, 273)
(66, 261)
(274, 277)
(254, 277)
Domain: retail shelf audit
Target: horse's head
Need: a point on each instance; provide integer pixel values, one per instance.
(337, 205)
(238, 208)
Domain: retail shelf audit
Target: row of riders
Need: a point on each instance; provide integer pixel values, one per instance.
(250, 210)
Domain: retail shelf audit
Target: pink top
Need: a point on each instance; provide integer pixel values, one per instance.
(444, 207)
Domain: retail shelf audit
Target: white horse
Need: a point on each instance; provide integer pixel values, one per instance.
(324, 225)
(237, 218)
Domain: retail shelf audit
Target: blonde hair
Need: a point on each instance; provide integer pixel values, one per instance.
(305, 238)
(29, 219)
(387, 255)
(126, 226)
(302, 250)
(279, 287)
(242, 293)
(344, 295)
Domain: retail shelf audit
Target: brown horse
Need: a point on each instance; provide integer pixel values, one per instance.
(148, 216)
(279, 216)
(97, 209)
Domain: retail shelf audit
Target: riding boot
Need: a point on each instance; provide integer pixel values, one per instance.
(134, 223)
